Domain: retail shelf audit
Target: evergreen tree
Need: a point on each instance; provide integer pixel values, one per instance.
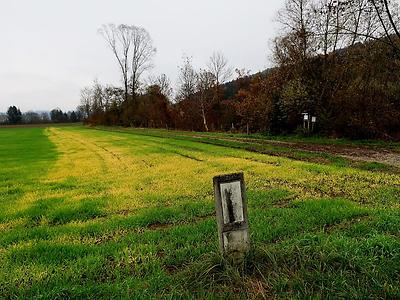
(14, 115)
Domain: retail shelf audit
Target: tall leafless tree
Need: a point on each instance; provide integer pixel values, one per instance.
(187, 80)
(323, 17)
(369, 20)
(143, 52)
(297, 21)
(205, 83)
(387, 11)
(219, 68)
(86, 101)
(119, 39)
(133, 48)
(395, 23)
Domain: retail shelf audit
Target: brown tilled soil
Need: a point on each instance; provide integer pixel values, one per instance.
(354, 153)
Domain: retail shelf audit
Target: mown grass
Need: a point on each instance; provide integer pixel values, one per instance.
(314, 139)
(97, 214)
(289, 146)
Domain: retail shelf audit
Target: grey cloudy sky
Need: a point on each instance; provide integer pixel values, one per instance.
(50, 49)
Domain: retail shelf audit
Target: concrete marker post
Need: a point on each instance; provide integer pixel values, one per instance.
(232, 219)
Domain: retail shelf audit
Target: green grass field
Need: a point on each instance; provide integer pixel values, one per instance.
(88, 213)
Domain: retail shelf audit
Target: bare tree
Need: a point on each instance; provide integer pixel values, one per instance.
(369, 20)
(242, 73)
(163, 82)
(187, 80)
(133, 48)
(363, 23)
(326, 15)
(323, 26)
(199, 87)
(390, 15)
(338, 24)
(119, 39)
(86, 101)
(97, 97)
(359, 8)
(205, 83)
(297, 21)
(219, 68)
(387, 12)
(142, 55)
(113, 95)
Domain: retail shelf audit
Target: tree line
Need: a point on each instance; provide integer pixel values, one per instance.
(14, 116)
(336, 60)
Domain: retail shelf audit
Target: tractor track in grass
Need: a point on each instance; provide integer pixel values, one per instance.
(156, 144)
(174, 144)
(99, 151)
(352, 153)
(171, 145)
(85, 145)
(191, 157)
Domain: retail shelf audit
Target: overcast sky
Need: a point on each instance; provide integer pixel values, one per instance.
(50, 49)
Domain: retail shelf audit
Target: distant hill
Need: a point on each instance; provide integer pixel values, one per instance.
(232, 87)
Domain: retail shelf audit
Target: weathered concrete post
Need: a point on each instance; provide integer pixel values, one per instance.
(231, 208)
